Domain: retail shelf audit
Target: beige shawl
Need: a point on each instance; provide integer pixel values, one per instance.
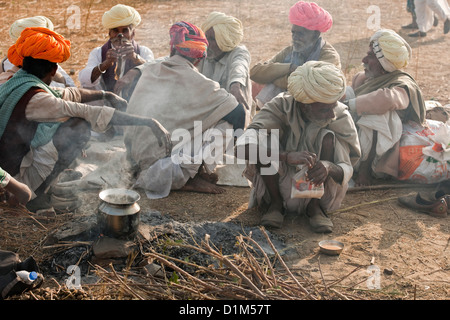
(176, 94)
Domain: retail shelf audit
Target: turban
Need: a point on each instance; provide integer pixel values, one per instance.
(39, 43)
(188, 40)
(39, 21)
(310, 16)
(119, 16)
(228, 30)
(317, 81)
(392, 51)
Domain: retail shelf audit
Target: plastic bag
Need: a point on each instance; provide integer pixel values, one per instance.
(303, 188)
(425, 152)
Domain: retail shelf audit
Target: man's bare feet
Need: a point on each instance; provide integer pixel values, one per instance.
(198, 184)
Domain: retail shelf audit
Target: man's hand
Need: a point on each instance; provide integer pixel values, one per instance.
(236, 91)
(301, 158)
(319, 172)
(162, 135)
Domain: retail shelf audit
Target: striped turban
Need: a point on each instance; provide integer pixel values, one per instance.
(392, 50)
(19, 25)
(119, 16)
(228, 30)
(317, 81)
(310, 16)
(39, 43)
(188, 40)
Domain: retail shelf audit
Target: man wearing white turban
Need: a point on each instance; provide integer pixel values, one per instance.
(61, 78)
(381, 99)
(227, 61)
(307, 126)
(108, 63)
(309, 21)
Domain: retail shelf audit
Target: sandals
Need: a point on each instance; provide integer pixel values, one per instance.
(438, 208)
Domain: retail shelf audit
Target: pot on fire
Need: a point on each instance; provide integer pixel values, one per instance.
(118, 213)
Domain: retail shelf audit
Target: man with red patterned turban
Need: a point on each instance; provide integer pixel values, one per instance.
(308, 21)
(190, 106)
(43, 129)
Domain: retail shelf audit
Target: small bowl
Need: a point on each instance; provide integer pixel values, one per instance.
(331, 247)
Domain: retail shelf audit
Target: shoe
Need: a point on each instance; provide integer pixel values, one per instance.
(446, 26)
(418, 34)
(65, 204)
(438, 208)
(412, 25)
(39, 203)
(272, 219)
(320, 223)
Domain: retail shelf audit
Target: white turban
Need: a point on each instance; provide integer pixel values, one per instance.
(317, 81)
(119, 16)
(33, 22)
(392, 50)
(227, 29)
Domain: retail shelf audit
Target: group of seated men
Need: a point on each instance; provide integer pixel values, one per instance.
(305, 114)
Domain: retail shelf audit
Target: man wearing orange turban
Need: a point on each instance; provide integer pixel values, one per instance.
(43, 129)
(308, 21)
(61, 79)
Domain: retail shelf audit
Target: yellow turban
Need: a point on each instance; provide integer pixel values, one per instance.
(392, 50)
(39, 43)
(228, 30)
(19, 25)
(119, 16)
(317, 81)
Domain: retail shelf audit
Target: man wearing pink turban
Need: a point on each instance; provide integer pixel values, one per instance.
(308, 21)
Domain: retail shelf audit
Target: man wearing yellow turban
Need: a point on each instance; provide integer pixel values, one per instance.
(381, 99)
(227, 61)
(61, 78)
(43, 129)
(108, 63)
(307, 127)
(309, 21)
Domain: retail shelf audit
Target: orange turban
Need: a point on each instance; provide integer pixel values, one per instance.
(39, 43)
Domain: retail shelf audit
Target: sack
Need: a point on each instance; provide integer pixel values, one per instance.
(425, 152)
(303, 188)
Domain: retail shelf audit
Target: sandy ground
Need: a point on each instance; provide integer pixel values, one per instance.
(390, 252)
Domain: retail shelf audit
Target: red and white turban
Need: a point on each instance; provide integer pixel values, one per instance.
(310, 16)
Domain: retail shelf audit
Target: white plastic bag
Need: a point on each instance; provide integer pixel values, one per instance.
(425, 152)
(303, 188)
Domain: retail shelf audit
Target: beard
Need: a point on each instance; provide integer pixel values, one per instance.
(323, 123)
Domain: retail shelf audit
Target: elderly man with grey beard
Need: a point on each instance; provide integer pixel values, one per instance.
(308, 21)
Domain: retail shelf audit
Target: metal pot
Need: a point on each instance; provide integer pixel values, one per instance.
(118, 213)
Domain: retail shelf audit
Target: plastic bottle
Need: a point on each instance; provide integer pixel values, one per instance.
(27, 277)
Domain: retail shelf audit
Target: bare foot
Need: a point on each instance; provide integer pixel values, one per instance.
(198, 184)
(363, 179)
(210, 177)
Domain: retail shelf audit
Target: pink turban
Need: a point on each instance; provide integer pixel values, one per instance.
(310, 16)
